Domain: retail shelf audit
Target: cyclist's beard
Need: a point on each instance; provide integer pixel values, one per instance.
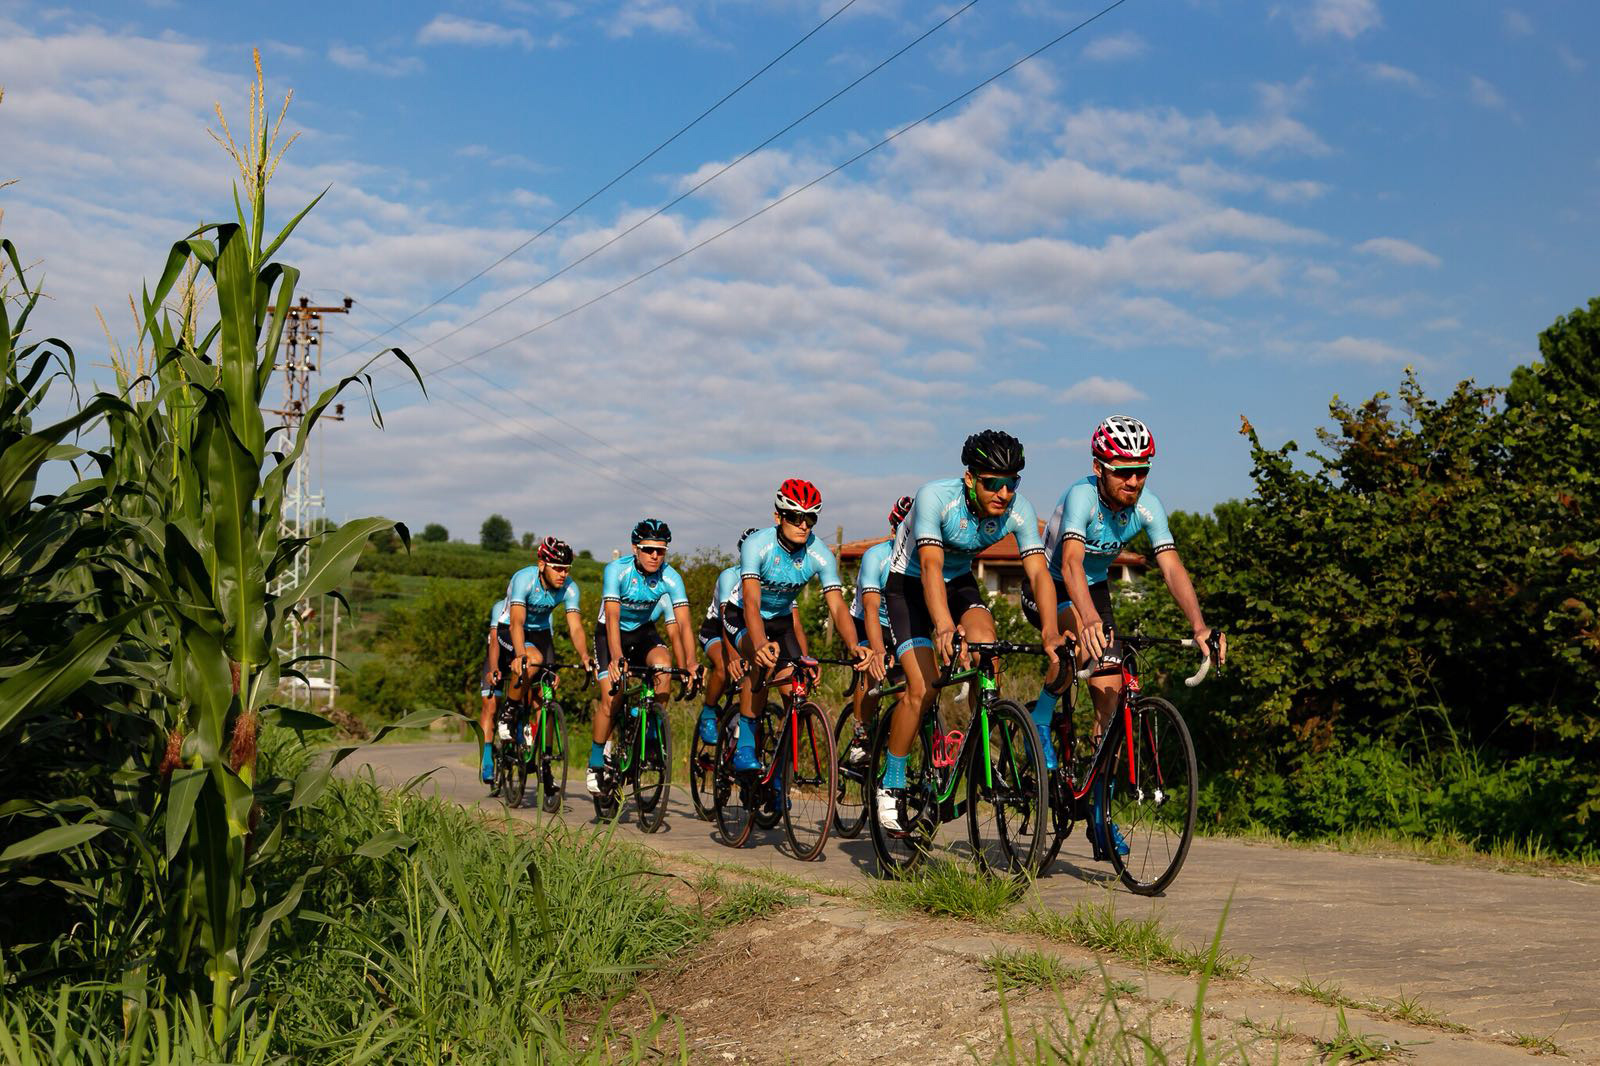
(1108, 499)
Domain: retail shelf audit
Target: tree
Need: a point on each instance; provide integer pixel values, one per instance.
(495, 536)
(528, 541)
(434, 533)
(385, 541)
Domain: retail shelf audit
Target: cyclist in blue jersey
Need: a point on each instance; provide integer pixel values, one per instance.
(624, 636)
(490, 686)
(1092, 521)
(931, 593)
(714, 642)
(871, 613)
(774, 566)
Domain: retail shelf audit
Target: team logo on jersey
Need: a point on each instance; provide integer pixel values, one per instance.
(990, 526)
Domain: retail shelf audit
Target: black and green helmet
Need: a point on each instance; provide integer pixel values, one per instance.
(993, 451)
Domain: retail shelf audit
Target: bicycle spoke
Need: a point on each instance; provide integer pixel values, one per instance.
(806, 793)
(1151, 798)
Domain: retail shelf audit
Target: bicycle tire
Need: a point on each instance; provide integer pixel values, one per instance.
(1007, 818)
(809, 774)
(769, 726)
(553, 758)
(702, 767)
(850, 799)
(731, 793)
(501, 771)
(652, 779)
(1155, 807)
(1059, 784)
(517, 769)
(898, 853)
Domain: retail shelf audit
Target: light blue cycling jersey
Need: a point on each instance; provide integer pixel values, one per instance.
(941, 516)
(783, 572)
(727, 591)
(664, 610)
(529, 591)
(874, 571)
(499, 614)
(1081, 514)
(638, 593)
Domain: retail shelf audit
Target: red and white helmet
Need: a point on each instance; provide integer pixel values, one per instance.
(797, 494)
(898, 512)
(1122, 438)
(555, 551)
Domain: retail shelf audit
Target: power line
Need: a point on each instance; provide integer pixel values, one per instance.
(947, 105)
(607, 186)
(664, 208)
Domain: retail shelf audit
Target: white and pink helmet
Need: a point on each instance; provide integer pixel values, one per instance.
(1122, 438)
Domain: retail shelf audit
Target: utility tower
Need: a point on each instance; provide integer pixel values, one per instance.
(312, 630)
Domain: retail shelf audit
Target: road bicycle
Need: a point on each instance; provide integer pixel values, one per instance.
(641, 748)
(532, 738)
(796, 775)
(703, 754)
(1136, 786)
(850, 802)
(998, 758)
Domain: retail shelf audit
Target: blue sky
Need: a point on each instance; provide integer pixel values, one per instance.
(1188, 211)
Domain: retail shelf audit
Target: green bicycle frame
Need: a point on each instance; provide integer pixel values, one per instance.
(640, 698)
(986, 685)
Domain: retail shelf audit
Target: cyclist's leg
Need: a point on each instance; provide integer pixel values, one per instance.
(911, 633)
(1105, 691)
(744, 752)
(491, 662)
(862, 707)
(603, 704)
(716, 679)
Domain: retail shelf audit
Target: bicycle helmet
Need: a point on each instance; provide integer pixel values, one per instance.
(1124, 438)
(797, 494)
(555, 551)
(898, 512)
(745, 536)
(652, 529)
(993, 452)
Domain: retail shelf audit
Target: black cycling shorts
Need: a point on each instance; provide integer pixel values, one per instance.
(910, 624)
(636, 645)
(1099, 595)
(709, 633)
(780, 629)
(540, 640)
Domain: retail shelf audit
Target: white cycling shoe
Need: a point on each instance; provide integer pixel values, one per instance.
(592, 782)
(889, 809)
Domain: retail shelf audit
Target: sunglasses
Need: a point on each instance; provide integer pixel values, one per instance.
(1124, 472)
(995, 484)
(798, 518)
(651, 551)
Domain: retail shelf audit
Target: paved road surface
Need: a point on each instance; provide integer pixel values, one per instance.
(1497, 952)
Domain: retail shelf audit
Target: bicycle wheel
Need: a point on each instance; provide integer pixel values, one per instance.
(850, 798)
(702, 771)
(808, 774)
(553, 758)
(769, 725)
(731, 791)
(501, 761)
(1151, 792)
(899, 850)
(653, 778)
(517, 768)
(1006, 816)
(1059, 786)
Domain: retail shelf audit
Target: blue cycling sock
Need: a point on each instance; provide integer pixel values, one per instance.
(1045, 709)
(747, 737)
(708, 713)
(894, 775)
(597, 756)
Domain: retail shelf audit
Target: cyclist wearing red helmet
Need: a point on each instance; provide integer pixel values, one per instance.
(774, 566)
(1092, 521)
(871, 612)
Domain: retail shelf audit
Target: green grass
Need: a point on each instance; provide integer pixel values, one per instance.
(1013, 969)
(749, 901)
(1144, 941)
(1539, 1045)
(1348, 1046)
(945, 889)
(1402, 1008)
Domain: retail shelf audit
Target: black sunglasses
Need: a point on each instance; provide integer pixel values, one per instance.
(996, 483)
(1125, 472)
(652, 551)
(799, 518)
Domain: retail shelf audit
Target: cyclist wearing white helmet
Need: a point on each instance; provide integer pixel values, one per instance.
(1092, 521)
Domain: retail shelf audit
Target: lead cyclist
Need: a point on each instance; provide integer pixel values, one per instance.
(1092, 521)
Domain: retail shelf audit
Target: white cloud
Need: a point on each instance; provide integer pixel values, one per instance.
(1398, 251)
(351, 57)
(454, 29)
(1485, 95)
(529, 199)
(1338, 18)
(653, 16)
(1366, 350)
(1100, 390)
(1393, 75)
(1569, 58)
(1517, 23)
(1114, 48)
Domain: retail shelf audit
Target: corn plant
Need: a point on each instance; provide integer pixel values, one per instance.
(138, 632)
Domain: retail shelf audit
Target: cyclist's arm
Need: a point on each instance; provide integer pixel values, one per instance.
(1044, 594)
(613, 609)
(1090, 631)
(519, 618)
(684, 632)
(871, 604)
(1176, 575)
(580, 640)
(799, 630)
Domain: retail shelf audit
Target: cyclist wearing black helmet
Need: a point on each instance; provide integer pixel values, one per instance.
(871, 612)
(630, 589)
(931, 593)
